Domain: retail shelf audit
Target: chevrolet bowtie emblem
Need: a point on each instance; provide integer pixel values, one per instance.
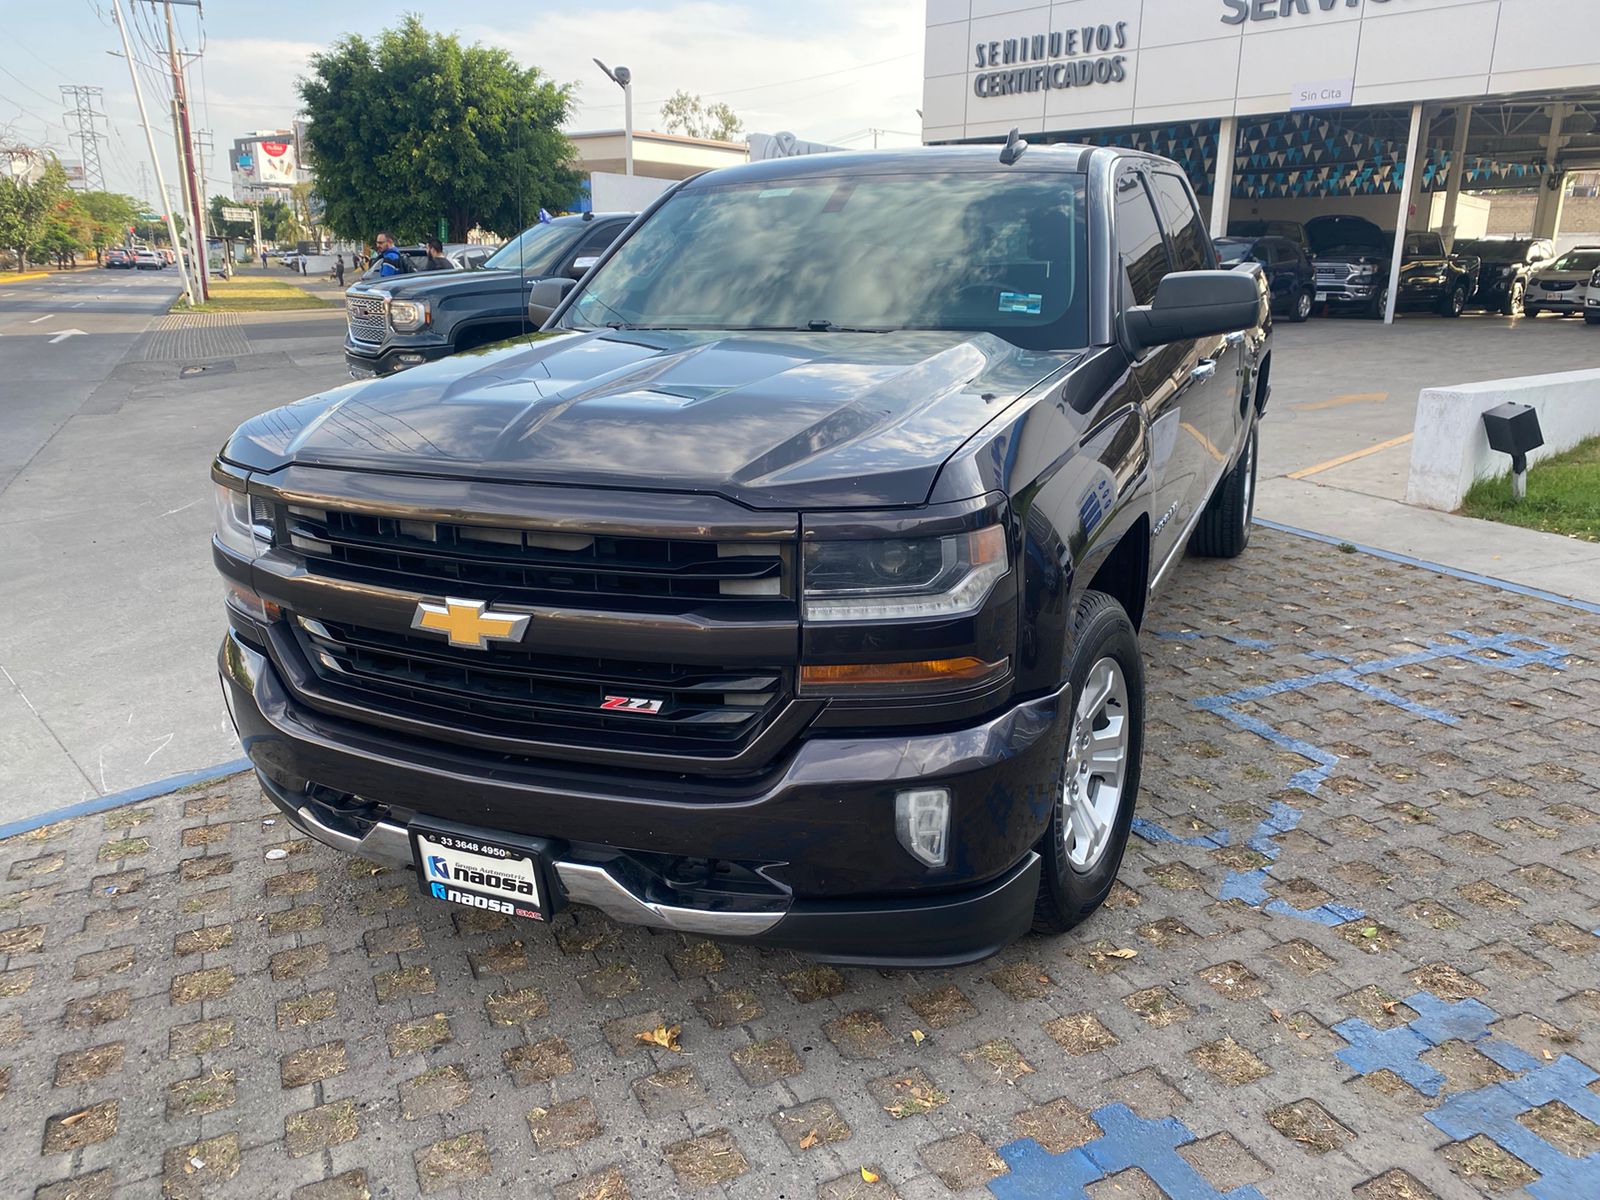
(470, 623)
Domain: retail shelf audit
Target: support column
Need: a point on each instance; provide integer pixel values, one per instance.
(1222, 180)
(1547, 213)
(1458, 167)
(1413, 175)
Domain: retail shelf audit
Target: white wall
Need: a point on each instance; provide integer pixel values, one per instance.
(1450, 451)
(1182, 62)
(624, 193)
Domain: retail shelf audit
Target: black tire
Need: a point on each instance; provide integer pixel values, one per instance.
(1530, 311)
(1223, 530)
(1068, 893)
(1515, 298)
(1380, 302)
(1454, 302)
(1591, 318)
(1300, 310)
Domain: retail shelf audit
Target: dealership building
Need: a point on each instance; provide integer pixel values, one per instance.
(1289, 109)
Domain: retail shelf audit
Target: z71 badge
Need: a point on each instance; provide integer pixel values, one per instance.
(632, 704)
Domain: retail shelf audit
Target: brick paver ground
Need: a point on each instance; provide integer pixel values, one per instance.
(1352, 953)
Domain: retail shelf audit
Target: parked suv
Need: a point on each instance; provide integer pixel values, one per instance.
(1560, 286)
(399, 321)
(785, 588)
(1508, 263)
(1291, 278)
(1353, 259)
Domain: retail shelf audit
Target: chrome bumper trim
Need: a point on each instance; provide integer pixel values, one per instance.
(584, 883)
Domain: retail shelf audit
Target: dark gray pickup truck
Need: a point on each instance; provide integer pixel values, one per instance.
(786, 587)
(399, 321)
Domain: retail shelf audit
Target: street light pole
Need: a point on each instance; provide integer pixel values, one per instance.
(623, 78)
(150, 140)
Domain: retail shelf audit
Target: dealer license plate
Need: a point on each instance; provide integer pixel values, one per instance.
(460, 867)
(1322, 297)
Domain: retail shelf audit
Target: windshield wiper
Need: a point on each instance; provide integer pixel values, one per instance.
(820, 325)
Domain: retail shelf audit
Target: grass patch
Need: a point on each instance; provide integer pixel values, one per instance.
(1563, 495)
(251, 293)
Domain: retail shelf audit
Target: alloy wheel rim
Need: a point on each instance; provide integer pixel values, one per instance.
(1516, 299)
(1458, 300)
(1304, 308)
(1249, 480)
(1095, 768)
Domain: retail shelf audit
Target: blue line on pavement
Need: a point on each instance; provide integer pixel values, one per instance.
(144, 791)
(1504, 585)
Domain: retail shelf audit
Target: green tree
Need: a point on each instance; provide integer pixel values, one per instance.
(27, 208)
(110, 215)
(415, 126)
(688, 114)
(236, 230)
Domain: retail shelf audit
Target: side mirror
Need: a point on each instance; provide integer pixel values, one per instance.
(545, 296)
(582, 263)
(1194, 304)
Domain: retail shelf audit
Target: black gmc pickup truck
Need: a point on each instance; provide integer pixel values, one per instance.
(785, 588)
(399, 321)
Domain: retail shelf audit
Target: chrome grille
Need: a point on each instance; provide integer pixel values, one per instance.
(1559, 285)
(1332, 274)
(516, 692)
(530, 566)
(366, 318)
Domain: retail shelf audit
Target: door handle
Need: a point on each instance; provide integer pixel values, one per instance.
(1205, 370)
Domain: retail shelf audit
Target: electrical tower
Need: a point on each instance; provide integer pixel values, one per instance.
(83, 117)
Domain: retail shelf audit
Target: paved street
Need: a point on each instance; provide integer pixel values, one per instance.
(108, 612)
(1351, 953)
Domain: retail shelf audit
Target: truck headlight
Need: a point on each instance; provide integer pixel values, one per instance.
(903, 579)
(244, 523)
(1363, 272)
(408, 316)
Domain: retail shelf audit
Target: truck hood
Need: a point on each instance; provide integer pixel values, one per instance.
(767, 419)
(434, 284)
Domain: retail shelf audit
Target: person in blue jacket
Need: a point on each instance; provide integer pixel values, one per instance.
(387, 261)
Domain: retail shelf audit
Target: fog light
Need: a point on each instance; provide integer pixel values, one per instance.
(922, 823)
(247, 603)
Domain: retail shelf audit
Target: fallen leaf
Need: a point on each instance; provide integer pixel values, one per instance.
(1044, 979)
(1126, 952)
(665, 1036)
(1388, 1005)
(75, 1117)
(1275, 1015)
(1548, 1057)
(1371, 931)
(810, 1140)
(918, 1036)
(868, 1176)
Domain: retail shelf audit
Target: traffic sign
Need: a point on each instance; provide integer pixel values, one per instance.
(235, 214)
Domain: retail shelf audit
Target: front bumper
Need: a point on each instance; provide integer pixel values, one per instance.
(816, 833)
(1569, 301)
(365, 362)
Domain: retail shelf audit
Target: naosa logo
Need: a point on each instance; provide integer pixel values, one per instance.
(437, 867)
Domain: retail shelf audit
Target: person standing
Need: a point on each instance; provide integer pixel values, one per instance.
(338, 269)
(436, 257)
(388, 260)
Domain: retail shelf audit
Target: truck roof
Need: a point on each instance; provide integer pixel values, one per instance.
(911, 160)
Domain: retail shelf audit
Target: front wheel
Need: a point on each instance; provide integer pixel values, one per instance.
(1380, 303)
(1455, 302)
(1301, 309)
(1514, 305)
(1591, 318)
(1223, 530)
(1098, 779)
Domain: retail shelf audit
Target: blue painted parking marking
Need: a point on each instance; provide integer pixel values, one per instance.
(1501, 651)
(1127, 1140)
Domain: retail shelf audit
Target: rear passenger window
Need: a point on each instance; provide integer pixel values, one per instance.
(1183, 223)
(1139, 243)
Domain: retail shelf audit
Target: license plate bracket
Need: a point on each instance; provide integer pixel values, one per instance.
(488, 871)
(1322, 297)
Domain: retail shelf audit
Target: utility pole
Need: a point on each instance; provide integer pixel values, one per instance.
(194, 205)
(84, 113)
(150, 141)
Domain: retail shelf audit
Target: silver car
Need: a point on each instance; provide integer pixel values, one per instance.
(1562, 286)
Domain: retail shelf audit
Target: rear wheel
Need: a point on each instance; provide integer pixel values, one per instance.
(1455, 301)
(1223, 530)
(1098, 779)
(1300, 310)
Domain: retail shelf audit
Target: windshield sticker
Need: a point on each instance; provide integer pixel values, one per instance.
(1022, 302)
(765, 192)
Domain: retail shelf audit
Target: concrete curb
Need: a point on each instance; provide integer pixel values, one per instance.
(144, 791)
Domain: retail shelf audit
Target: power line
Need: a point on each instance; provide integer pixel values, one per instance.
(781, 83)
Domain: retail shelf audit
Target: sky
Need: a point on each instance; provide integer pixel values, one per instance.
(828, 70)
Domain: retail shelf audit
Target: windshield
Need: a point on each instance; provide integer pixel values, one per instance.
(1233, 250)
(539, 250)
(1346, 233)
(1495, 251)
(1577, 260)
(1001, 252)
